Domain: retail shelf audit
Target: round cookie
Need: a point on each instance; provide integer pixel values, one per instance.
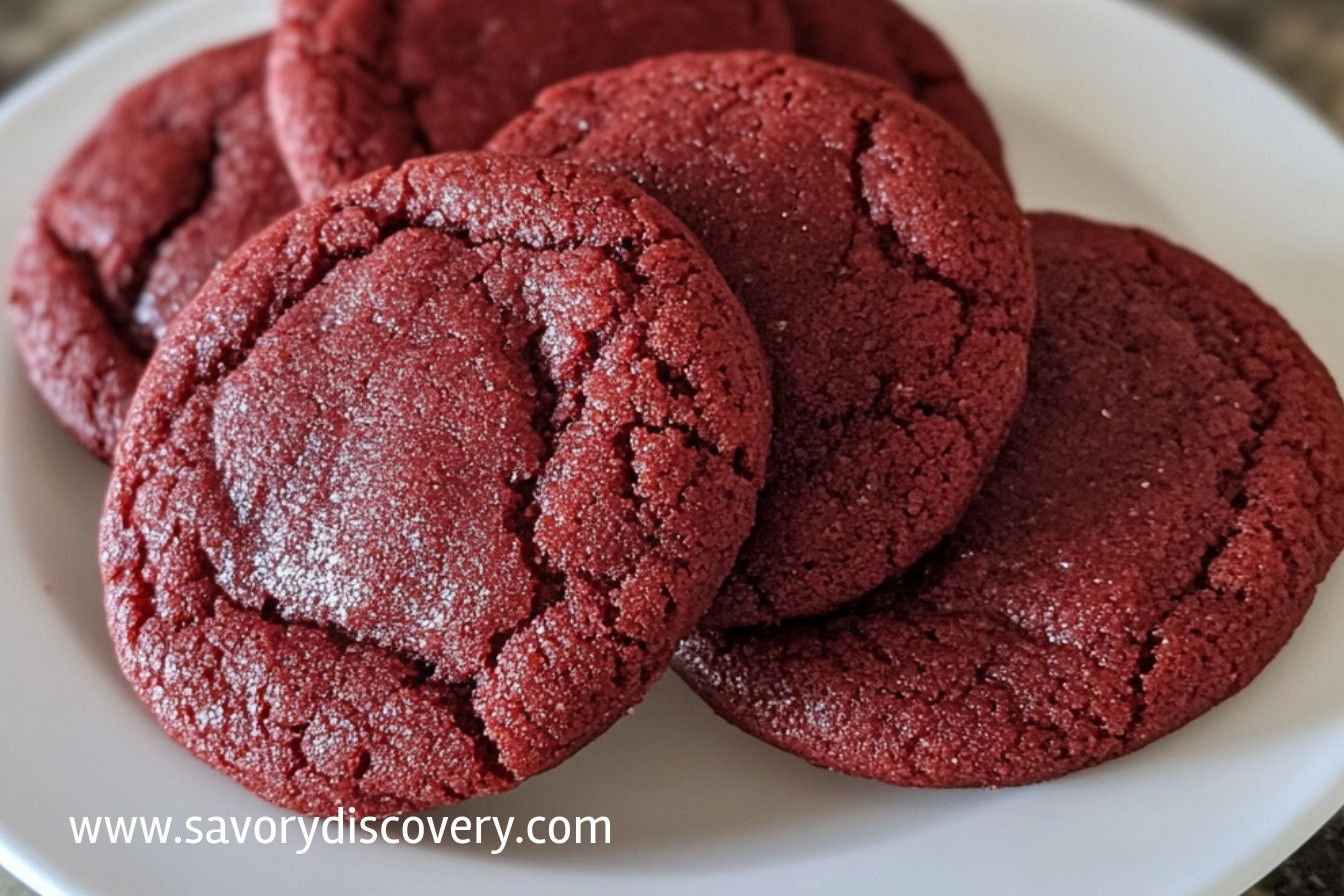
(177, 175)
(421, 492)
(881, 38)
(358, 84)
(886, 269)
(1155, 530)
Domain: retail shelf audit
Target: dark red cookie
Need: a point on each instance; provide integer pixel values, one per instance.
(881, 38)
(177, 175)
(887, 271)
(420, 493)
(1155, 530)
(358, 84)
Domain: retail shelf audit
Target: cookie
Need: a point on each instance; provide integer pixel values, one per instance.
(1170, 497)
(177, 175)
(888, 274)
(420, 493)
(358, 84)
(881, 38)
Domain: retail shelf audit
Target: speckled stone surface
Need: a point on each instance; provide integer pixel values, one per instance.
(1300, 41)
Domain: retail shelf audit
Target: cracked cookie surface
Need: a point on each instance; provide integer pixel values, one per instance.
(420, 494)
(887, 272)
(1171, 496)
(358, 84)
(177, 175)
(883, 39)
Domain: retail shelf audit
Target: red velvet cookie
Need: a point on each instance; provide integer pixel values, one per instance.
(177, 175)
(881, 38)
(1155, 530)
(887, 271)
(421, 492)
(357, 84)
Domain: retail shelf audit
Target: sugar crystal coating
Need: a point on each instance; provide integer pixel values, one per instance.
(357, 84)
(420, 494)
(887, 272)
(1171, 495)
(179, 173)
(882, 38)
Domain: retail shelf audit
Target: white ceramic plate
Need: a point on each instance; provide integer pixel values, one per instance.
(1107, 110)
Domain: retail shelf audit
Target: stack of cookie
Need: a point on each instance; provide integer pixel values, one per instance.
(691, 333)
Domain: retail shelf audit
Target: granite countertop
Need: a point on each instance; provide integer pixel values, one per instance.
(1301, 41)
